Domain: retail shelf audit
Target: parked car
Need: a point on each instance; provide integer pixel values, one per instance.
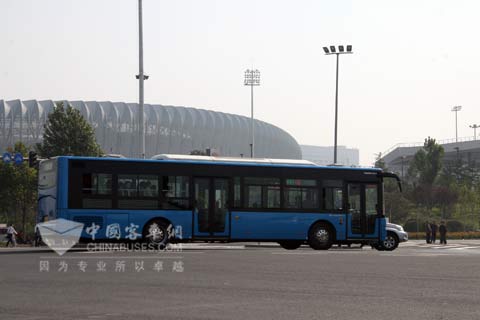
(395, 235)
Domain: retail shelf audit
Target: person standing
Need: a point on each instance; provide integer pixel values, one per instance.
(11, 236)
(443, 233)
(428, 232)
(434, 228)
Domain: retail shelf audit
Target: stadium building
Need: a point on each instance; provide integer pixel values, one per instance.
(168, 129)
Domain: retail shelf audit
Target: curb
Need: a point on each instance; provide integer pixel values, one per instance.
(33, 250)
(262, 245)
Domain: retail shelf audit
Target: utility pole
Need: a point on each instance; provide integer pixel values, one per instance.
(141, 77)
(456, 109)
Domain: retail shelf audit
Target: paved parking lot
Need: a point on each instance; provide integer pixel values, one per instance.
(417, 281)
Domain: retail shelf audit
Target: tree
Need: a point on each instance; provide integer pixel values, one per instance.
(427, 162)
(68, 133)
(18, 192)
(19, 147)
(423, 171)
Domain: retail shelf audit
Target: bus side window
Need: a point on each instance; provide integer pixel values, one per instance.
(262, 192)
(332, 195)
(175, 192)
(301, 194)
(96, 190)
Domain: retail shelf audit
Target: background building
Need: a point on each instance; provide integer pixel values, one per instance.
(169, 129)
(398, 157)
(324, 155)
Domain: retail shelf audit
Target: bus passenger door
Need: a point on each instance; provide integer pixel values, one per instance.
(362, 208)
(211, 217)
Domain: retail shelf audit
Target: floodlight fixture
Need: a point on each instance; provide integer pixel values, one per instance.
(252, 77)
(456, 108)
(341, 49)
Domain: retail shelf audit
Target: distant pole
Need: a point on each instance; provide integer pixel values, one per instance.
(474, 127)
(252, 78)
(141, 78)
(456, 109)
(336, 115)
(329, 51)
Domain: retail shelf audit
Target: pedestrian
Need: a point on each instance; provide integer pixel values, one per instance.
(434, 228)
(11, 236)
(443, 233)
(428, 232)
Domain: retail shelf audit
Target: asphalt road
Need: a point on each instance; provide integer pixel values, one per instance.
(414, 282)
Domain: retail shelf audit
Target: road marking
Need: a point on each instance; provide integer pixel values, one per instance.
(116, 257)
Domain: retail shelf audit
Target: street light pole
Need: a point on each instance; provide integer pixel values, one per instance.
(474, 127)
(141, 77)
(456, 109)
(252, 78)
(330, 51)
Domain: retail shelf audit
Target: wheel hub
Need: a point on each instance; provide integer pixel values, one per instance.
(322, 235)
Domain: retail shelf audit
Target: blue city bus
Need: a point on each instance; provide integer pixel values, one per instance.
(292, 202)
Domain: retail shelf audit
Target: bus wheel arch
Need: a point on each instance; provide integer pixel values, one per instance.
(158, 231)
(321, 235)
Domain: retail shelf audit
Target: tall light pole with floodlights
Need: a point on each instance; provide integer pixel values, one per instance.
(474, 127)
(252, 78)
(329, 51)
(141, 77)
(456, 109)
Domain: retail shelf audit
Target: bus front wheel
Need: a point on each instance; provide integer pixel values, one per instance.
(391, 241)
(320, 236)
(158, 233)
(290, 245)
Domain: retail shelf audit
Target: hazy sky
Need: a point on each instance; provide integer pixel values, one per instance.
(413, 60)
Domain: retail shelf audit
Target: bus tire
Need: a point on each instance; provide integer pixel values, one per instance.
(158, 232)
(391, 241)
(378, 246)
(290, 244)
(320, 236)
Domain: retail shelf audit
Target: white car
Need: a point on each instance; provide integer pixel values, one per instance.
(395, 235)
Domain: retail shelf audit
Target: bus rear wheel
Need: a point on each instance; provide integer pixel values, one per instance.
(320, 236)
(290, 245)
(157, 232)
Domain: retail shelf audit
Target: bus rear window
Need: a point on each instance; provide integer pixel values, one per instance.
(47, 176)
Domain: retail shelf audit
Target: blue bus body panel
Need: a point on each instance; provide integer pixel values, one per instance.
(224, 234)
(382, 228)
(125, 219)
(281, 225)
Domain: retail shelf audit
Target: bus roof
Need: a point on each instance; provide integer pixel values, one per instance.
(288, 163)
